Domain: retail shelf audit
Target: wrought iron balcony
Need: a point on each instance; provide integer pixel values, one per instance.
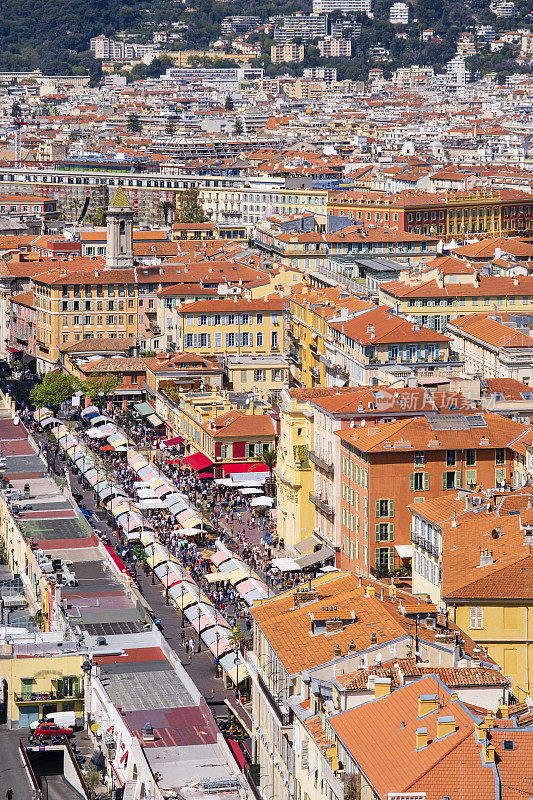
(323, 505)
(319, 462)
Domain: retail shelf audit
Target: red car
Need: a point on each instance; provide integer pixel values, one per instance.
(47, 730)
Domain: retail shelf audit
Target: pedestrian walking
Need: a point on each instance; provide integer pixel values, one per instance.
(9, 794)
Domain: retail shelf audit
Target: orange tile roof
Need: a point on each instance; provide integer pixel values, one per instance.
(416, 434)
(491, 331)
(387, 753)
(288, 629)
(234, 423)
(388, 328)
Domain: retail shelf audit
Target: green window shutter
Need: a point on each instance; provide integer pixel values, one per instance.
(391, 508)
(471, 477)
(377, 533)
(426, 481)
(391, 558)
(412, 481)
(391, 531)
(377, 508)
(458, 482)
(444, 480)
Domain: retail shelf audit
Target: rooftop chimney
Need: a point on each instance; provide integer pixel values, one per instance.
(445, 726)
(382, 687)
(421, 738)
(485, 558)
(370, 590)
(427, 703)
(337, 651)
(488, 753)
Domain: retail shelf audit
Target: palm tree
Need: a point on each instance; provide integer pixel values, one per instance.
(269, 458)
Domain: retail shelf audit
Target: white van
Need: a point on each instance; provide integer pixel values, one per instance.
(65, 719)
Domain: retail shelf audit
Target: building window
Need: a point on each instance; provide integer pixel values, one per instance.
(476, 618)
(451, 480)
(274, 340)
(384, 508)
(385, 532)
(470, 458)
(420, 459)
(450, 458)
(500, 455)
(419, 481)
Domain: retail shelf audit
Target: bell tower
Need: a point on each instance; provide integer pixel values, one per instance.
(119, 232)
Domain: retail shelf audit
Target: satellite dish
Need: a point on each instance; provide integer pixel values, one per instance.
(363, 423)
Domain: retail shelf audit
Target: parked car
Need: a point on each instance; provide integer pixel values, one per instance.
(47, 730)
(65, 719)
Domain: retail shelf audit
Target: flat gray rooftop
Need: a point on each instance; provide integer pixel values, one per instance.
(149, 689)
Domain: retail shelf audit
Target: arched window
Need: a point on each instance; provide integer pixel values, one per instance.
(122, 227)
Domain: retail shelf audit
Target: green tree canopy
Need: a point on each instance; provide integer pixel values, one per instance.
(229, 105)
(99, 387)
(54, 389)
(189, 207)
(238, 127)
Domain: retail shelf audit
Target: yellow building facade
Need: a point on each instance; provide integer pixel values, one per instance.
(310, 310)
(73, 306)
(433, 299)
(504, 627)
(294, 470)
(231, 327)
(42, 684)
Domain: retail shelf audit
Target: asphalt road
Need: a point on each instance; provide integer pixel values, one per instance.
(12, 770)
(55, 787)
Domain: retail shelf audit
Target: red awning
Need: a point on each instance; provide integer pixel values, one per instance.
(171, 442)
(13, 350)
(107, 448)
(229, 469)
(237, 753)
(197, 461)
(205, 475)
(118, 561)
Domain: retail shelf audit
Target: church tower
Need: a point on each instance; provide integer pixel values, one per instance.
(119, 233)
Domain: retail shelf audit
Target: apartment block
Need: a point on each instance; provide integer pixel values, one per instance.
(384, 469)
(303, 26)
(231, 327)
(335, 48)
(289, 51)
(345, 6)
(473, 554)
(399, 14)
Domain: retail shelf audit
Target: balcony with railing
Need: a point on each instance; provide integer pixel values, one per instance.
(295, 358)
(319, 462)
(40, 697)
(322, 504)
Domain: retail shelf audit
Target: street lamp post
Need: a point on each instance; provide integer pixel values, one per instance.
(166, 585)
(217, 635)
(238, 662)
(182, 608)
(199, 639)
